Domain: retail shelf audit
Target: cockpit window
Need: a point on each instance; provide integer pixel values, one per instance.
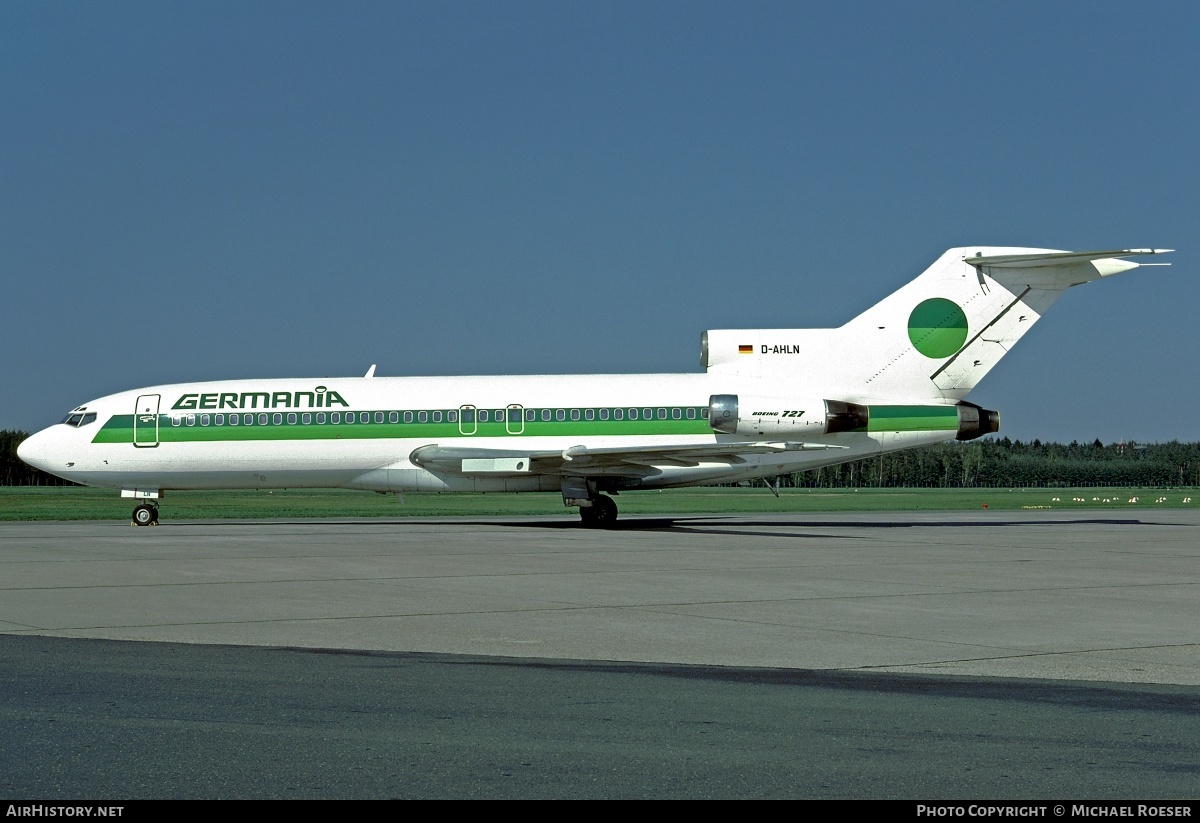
(77, 419)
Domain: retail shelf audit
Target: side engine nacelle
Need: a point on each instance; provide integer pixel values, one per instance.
(732, 414)
(774, 416)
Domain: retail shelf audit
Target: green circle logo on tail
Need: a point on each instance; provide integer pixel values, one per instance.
(937, 327)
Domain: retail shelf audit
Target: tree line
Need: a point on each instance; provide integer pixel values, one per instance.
(1000, 462)
(989, 461)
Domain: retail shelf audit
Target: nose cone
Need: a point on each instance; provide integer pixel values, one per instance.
(35, 450)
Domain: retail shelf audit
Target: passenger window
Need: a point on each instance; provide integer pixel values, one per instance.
(408, 417)
(364, 417)
(676, 414)
(262, 419)
(234, 419)
(437, 417)
(393, 417)
(546, 415)
(378, 417)
(306, 418)
(589, 414)
(219, 419)
(691, 413)
(422, 417)
(190, 419)
(205, 419)
(452, 416)
(291, 418)
(604, 414)
(530, 415)
(574, 414)
(647, 414)
(176, 420)
(633, 414)
(704, 412)
(618, 414)
(483, 415)
(349, 418)
(335, 417)
(320, 418)
(277, 419)
(560, 414)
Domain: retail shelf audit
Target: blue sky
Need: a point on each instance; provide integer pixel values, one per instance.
(194, 191)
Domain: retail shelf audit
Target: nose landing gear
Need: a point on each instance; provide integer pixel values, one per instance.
(144, 515)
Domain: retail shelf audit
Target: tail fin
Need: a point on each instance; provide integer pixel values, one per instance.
(934, 338)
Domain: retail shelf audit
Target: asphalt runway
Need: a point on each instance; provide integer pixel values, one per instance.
(918, 655)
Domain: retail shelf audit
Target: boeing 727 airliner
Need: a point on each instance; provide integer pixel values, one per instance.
(770, 402)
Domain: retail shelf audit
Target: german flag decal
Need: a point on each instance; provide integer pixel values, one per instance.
(745, 350)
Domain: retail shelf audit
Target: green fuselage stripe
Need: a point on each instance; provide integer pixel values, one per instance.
(120, 428)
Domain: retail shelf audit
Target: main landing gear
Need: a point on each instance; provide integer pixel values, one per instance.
(144, 515)
(596, 510)
(602, 514)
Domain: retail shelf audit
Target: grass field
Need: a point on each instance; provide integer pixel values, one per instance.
(76, 503)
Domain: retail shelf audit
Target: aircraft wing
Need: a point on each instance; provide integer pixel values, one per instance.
(581, 461)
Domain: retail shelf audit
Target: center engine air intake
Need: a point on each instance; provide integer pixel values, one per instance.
(772, 416)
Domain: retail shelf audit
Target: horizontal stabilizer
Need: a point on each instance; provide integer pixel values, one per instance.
(1055, 270)
(1068, 258)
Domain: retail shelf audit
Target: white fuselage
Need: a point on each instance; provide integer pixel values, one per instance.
(361, 433)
